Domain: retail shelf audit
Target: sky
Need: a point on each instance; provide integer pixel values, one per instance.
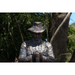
(72, 18)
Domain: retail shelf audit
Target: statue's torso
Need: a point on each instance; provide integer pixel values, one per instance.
(28, 47)
(41, 46)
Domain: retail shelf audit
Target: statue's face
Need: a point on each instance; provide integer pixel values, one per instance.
(37, 36)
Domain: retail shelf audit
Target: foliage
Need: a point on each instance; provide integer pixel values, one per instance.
(70, 42)
(10, 38)
(71, 39)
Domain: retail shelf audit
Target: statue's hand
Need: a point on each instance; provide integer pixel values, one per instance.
(47, 59)
(36, 51)
(28, 58)
(37, 56)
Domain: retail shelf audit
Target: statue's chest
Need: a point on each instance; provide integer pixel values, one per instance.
(41, 48)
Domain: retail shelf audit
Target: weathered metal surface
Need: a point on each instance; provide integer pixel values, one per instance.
(37, 27)
(36, 50)
(28, 47)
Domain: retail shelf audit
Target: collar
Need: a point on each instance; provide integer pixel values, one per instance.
(37, 41)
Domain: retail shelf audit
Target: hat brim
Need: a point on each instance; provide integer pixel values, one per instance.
(37, 29)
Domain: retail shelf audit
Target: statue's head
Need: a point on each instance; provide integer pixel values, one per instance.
(37, 29)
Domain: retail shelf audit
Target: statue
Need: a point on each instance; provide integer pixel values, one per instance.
(36, 50)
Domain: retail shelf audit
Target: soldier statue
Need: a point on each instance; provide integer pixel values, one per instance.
(36, 50)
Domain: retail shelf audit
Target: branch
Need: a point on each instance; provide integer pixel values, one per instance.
(61, 55)
(47, 25)
(19, 29)
(20, 33)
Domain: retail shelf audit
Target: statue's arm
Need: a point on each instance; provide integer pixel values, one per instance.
(22, 55)
(25, 59)
(50, 57)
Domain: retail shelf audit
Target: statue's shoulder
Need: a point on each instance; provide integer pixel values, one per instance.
(48, 44)
(25, 43)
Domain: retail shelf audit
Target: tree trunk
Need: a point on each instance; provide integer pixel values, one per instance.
(59, 43)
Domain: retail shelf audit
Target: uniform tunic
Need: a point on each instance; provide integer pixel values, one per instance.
(28, 47)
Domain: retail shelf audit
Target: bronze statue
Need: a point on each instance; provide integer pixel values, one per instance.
(36, 50)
